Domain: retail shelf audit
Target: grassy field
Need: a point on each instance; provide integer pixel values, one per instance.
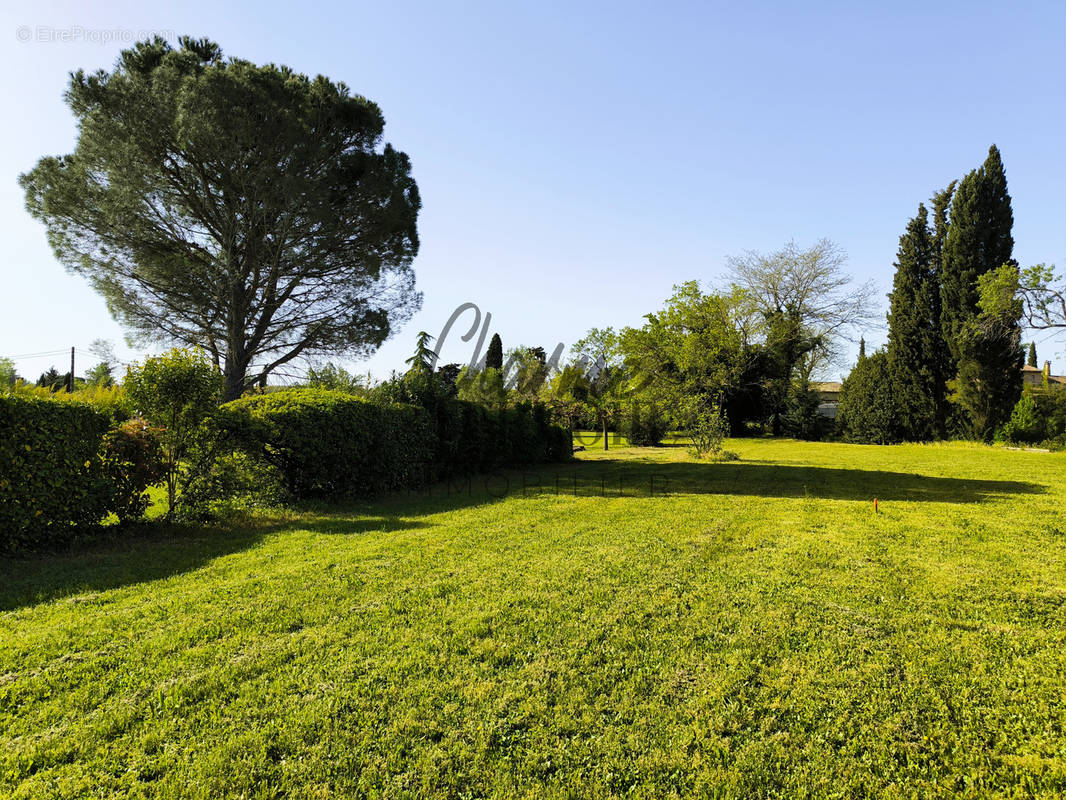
(638, 623)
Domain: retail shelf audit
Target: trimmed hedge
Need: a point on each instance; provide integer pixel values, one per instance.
(53, 478)
(328, 444)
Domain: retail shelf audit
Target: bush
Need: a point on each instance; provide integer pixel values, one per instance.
(644, 428)
(52, 478)
(176, 391)
(801, 419)
(1025, 424)
(111, 400)
(327, 444)
(868, 412)
(133, 461)
(1038, 417)
(708, 431)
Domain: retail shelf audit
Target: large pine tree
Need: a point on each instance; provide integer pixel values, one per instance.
(914, 337)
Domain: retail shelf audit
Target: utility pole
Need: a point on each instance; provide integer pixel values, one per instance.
(70, 383)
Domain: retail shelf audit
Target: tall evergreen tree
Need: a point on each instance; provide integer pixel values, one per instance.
(1031, 361)
(985, 349)
(494, 355)
(914, 332)
(941, 355)
(862, 349)
(978, 239)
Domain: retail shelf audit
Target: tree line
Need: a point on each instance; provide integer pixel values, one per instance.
(258, 214)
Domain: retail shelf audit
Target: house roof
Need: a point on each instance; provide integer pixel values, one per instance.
(1040, 371)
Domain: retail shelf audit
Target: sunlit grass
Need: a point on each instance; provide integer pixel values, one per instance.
(636, 623)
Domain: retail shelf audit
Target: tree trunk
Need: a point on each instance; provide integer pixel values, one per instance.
(604, 418)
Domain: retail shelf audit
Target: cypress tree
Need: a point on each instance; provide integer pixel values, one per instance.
(986, 352)
(914, 332)
(978, 239)
(1032, 355)
(868, 410)
(941, 358)
(494, 355)
(862, 349)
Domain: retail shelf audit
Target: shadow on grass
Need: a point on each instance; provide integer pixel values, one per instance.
(157, 551)
(626, 477)
(154, 551)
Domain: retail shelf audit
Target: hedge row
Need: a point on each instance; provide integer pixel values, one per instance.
(63, 470)
(330, 444)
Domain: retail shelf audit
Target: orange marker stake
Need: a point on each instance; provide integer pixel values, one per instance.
(875, 505)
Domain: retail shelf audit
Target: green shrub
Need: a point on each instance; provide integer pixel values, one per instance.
(230, 482)
(644, 426)
(328, 444)
(52, 477)
(1025, 424)
(111, 400)
(868, 411)
(133, 461)
(709, 429)
(176, 391)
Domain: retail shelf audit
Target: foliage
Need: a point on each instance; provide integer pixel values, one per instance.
(1030, 359)
(978, 239)
(53, 380)
(801, 419)
(918, 357)
(8, 376)
(100, 375)
(692, 349)
(644, 425)
(336, 378)
(708, 431)
(327, 444)
(332, 445)
(423, 358)
(245, 209)
(562, 393)
(175, 391)
(494, 354)
(133, 461)
(1038, 290)
(990, 379)
(484, 387)
(1025, 424)
(810, 288)
(52, 478)
(868, 411)
(110, 400)
(529, 368)
(228, 483)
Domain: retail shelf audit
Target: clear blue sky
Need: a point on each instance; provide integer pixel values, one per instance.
(577, 160)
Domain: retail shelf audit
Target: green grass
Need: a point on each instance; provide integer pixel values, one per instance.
(747, 629)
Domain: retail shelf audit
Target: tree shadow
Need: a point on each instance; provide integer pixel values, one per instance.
(154, 551)
(627, 477)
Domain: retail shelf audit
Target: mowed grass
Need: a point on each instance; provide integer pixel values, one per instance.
(638, 624)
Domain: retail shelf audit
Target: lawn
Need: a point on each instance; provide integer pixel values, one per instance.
(638, 623)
